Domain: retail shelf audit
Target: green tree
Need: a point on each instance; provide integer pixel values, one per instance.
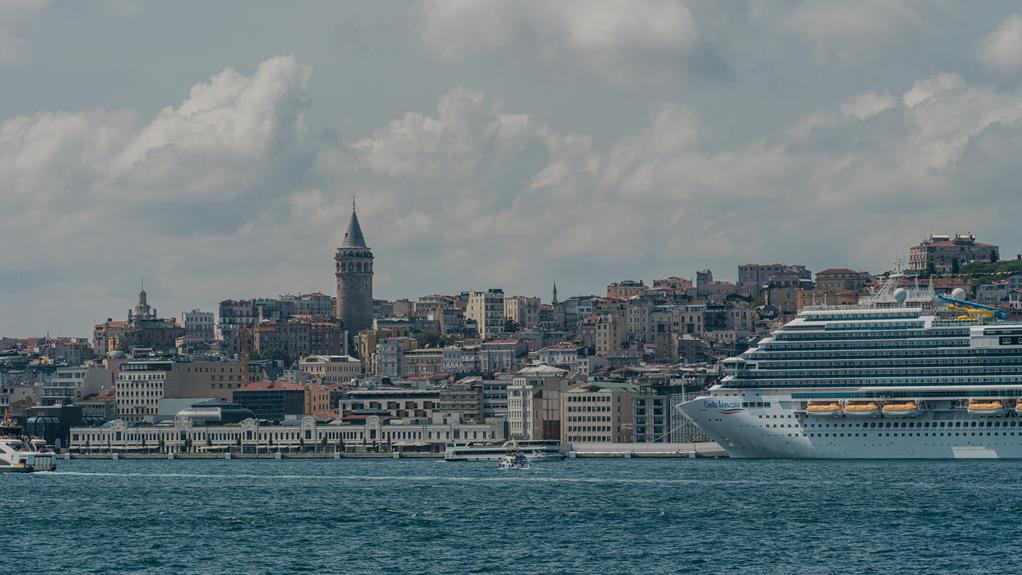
(432, 339)
(955, 266)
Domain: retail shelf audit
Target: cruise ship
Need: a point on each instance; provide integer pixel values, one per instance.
(903, 374)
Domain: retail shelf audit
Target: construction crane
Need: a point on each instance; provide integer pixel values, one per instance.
(243, 333)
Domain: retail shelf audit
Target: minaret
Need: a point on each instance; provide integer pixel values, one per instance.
(354, 272)
(555, 293)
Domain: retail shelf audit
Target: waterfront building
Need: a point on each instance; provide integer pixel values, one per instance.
(410, 404)
(487, 309)
(272, 400)
(140, 385)
(354, 274)
(196, 435)
(943, 253)
(534, 402)
(599, 412)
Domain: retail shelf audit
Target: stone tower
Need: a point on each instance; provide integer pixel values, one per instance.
(354, 272)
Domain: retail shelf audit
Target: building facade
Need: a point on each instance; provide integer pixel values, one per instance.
(487, 309)
(943, 254)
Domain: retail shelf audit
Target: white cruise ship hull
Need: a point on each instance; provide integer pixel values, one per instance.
(743, 425)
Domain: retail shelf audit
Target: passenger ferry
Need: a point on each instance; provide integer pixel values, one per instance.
(533, 450)
(903, 374)
(17, 456)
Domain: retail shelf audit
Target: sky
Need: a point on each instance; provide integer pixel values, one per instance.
(213, 148)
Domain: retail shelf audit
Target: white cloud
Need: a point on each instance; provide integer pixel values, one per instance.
(609, 37)
(1001, 51)
(867, 105)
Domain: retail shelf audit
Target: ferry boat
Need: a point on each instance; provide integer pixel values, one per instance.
(903, 374)
(533, 450)
(20, 457)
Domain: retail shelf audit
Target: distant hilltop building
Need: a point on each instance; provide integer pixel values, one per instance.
(941, 253)
(354, 272)
(143, 329)
(755, 276)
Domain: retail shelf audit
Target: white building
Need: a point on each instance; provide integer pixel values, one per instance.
(250, 437)
(331, 368)
(72, 383)
(199, 324)
(522, 310)
(487, 309)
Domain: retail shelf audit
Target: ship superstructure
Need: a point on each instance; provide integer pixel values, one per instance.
(904, 374)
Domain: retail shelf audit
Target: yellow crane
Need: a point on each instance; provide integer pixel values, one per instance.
(243, 351)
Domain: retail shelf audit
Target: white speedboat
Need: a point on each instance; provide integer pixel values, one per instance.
(516, 460)
(20, 457)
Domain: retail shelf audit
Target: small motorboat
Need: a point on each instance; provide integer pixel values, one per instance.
(515, 461)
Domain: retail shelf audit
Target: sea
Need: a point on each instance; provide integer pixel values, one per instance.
(603, 516)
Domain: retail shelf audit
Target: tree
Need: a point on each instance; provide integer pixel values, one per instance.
(955, 266)
(511, 326)
(427, 339)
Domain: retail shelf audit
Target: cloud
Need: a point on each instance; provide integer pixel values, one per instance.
(867, 105)
(13, 49)
(1000, 52)
(607, 37)
(229, 193)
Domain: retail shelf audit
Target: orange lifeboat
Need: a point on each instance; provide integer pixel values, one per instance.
(826, 409)
(864, 409)
(902, 409)
(987, 407)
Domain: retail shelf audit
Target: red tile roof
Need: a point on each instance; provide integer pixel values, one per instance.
(274, 385)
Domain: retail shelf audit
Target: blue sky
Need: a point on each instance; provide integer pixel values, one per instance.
(213, 147)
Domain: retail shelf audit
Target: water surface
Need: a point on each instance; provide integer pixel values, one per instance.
(577, 516)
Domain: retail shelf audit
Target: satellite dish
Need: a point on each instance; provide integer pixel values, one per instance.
(958, 293)
(900, 295)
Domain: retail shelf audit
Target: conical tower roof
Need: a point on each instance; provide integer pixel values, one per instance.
(353, 237)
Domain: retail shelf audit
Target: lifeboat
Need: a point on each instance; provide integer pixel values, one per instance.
(867, 409)
(987, 407)
(1018, 407)
(902, 409)
(830, 409)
